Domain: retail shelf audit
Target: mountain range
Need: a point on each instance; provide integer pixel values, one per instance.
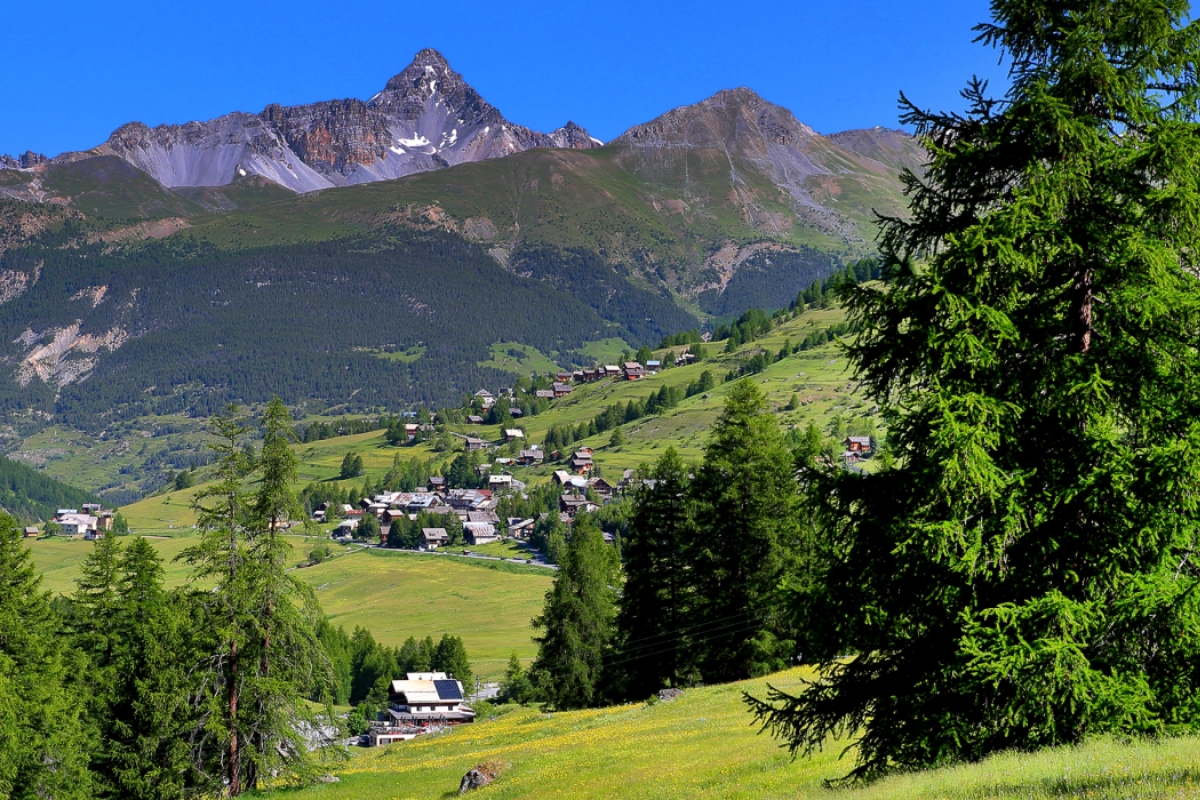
(426, 117)
(365, 254)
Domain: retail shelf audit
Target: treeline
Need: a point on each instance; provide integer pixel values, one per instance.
(707, 553)
(666, 398)
(763, 359)
(821, 293)
(766, 277)
(319, 429)
(29, 495)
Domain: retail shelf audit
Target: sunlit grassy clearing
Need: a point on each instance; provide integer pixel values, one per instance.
(703, 745)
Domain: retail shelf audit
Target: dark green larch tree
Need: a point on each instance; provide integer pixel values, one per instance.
(1024, 574)
(265, 658)
(218, 561)
(577, 623)
(651, 651)
(747, 539)
(291, 662)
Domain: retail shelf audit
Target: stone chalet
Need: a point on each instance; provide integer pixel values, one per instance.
(520, 528)
(424, 702)
(480, 533)
(78, 524)
(433, 538)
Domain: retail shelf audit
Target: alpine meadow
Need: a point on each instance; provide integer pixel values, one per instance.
(392, 448)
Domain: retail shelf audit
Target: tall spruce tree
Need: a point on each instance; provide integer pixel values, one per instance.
(145, 744)
(43, 745)
(747, 539)
(1024, 574)
(577, 624)
(651, 652)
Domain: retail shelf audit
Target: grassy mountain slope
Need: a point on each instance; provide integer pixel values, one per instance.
(702, 745)
(697, 215)
(29, 495)
(133, 456)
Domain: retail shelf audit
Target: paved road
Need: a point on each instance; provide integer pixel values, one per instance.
(535, 559)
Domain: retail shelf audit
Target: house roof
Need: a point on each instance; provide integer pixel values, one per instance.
(434, 533)
(429, 690)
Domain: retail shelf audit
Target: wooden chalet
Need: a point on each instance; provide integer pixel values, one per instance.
(858, 444)
(531, 458)
(423, 703)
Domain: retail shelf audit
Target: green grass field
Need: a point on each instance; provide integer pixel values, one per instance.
(393, 594)
(702, 745)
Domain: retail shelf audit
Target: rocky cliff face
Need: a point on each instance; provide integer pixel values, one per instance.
(425, 118)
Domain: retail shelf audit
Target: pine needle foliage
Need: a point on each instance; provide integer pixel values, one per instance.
(264, 656)
(1025, 574)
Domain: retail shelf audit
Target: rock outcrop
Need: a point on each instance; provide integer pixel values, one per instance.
(479, 776)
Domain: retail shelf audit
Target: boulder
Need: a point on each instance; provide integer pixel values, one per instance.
(479, 777)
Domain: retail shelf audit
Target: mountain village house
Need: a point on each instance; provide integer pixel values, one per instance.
(422, 703)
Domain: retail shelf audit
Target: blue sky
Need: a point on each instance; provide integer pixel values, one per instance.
(75, 71)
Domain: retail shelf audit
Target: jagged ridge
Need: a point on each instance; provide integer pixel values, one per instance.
(425, 118)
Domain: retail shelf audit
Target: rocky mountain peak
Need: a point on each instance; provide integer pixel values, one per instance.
(574, 137)
(729, 117)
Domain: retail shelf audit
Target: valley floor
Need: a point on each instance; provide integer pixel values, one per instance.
(702, 745)
(391, 593)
